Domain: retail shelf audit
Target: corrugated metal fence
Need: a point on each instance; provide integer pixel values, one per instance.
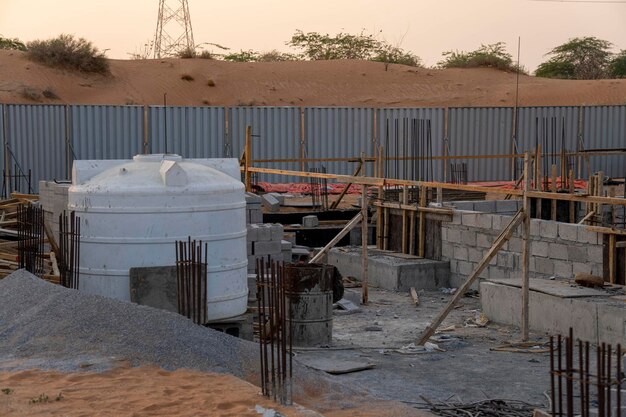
(47, 138)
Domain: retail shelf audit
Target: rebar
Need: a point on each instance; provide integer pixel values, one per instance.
(30, 232)
(191, 279)
(275, 335)
(593, 388)
(69, 248)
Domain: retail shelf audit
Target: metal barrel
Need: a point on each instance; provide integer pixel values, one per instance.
(310, 290)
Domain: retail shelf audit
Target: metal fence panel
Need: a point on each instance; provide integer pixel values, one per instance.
(394, 124)
(604, 127)
(2, 134)
(339, 132)
(192, 132)
(482, 131)
(37, 141)
(106, 132)
(275, 135)
(531, 131)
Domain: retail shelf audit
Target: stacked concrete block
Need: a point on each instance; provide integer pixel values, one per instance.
(270, 202)
(507, 207)
(264, 242)
(254, 214)
(53, 198)
(557, 249)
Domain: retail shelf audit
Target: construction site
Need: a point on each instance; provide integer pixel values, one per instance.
(348, 238)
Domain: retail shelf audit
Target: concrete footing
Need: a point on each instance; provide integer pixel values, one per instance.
(555, 306)
(391, 271)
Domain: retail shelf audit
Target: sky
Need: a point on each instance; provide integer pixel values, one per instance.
(425, 27)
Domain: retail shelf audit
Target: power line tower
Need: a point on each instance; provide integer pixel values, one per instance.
(173, 31)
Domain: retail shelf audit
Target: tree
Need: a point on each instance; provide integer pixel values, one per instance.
(584, 58)
(617, 67)
(14, 44)
(490, 56)
(390, 54)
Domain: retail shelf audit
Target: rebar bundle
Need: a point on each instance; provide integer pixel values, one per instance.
(191, 279)
(410, 150)
(602, 389)
(275, 337)
(319, 190)
(30, 234)
(69, 248)
(458, 173)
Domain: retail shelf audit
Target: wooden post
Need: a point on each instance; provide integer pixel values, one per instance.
(538, 181)
(364, 233)
(600, 192)
(405, 223)
(247, 159)
(612, 241)
(381, 197)
(497, 244)
(572, 204)
(349, 226)
(422, 225)
(525, 250)
(412, 233)
(386, 229)
(348, 185)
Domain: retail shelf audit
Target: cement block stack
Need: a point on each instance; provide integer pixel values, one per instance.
(53, 198)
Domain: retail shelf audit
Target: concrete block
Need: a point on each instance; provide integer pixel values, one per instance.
(285, 245)
(264, 233)
(460, 253)
(444, 233)
(496, 272)
(496, 222)
(310, 221)
(470, 219)
(465, 268)
(548, 229)
(535, 227)
(253, 198)
(456, 217)
(279, 197)
(454, 236)
(267, 248)
(595, 253)
(539, 248)
(557, 251)
(487, 206)
(577, 253)
(483, 240)
(454, 266)
(256, 216)
(505, 260)
(468, 237)
(276, 231)
(464, 205)
(507, 206)
(515, 244)
(447, 250)
(568, 231)
(585, 236)
(579, 267)
(544, 266)
(270, 203)
(253, 233)
(249, 248)
(563, 269)
(485, 221)
(474, 255)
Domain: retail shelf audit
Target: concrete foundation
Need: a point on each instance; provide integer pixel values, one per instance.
(555, 306)
(391, 271)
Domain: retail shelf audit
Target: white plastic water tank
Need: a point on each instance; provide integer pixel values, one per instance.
(132, 212)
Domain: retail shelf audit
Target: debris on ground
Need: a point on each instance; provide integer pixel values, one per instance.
(523, 347)
(448, 290)
(477, 320)
(485, 408)
(412, 348)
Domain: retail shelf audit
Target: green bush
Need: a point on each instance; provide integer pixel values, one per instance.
(15, 44)
(65, 51)
(489, 56)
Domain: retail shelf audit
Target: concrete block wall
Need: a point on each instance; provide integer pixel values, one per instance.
(556, 249)
(487, 206)
(265, 241)
(53, 198)
(254, 214)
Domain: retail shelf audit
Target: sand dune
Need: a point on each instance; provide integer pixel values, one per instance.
(321, 83)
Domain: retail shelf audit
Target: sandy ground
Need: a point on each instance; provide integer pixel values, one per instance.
(148, 391)
(320, 83)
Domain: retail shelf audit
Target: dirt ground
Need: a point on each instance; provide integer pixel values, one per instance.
(312, 83)
(467, 370)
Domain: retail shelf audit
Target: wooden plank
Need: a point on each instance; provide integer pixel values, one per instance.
(405, 223)
(497, 245)
(612, 239)
(55, 266)
(349, 226)
(386, 229)
(345, 189)
(412, 233)
(587, 217)
(364, 233)
(526, 252)
(422, 225)
(606, 230)
(553, 189)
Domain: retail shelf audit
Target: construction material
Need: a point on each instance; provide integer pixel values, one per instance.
(310, 221)
(275, 329)
(497, 244)
(414, 296)
(31, 238)
(364, 235)
(355, 220)
(69, 250)
(526, 246)
(602, 387)
(191, 280)
(310, 291)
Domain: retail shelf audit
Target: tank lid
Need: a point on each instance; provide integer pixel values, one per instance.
(157, 157)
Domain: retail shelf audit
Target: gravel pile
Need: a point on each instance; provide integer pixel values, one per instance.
(49, 326)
